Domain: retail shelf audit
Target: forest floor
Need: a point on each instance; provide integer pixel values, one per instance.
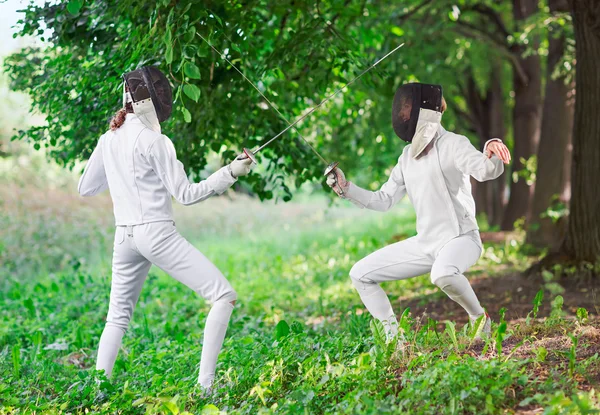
(300, 341)
(512, 291)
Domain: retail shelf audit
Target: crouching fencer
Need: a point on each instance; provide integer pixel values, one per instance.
(139, 166)
(434, 169)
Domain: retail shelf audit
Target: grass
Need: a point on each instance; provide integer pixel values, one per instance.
(299, 342)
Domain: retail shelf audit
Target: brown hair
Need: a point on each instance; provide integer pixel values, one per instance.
(119, 118)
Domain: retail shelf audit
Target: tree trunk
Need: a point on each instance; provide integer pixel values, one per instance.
(583, 234)
(554, 149)
(526, 120)
(488, 112)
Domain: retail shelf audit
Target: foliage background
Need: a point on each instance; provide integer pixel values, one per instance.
(317, 352)
(298, 52)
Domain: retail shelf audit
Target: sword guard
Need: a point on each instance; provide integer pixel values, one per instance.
(248, 153)
(332, 166)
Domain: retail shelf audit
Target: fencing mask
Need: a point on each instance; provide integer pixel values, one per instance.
(416, 114)
(150, 94)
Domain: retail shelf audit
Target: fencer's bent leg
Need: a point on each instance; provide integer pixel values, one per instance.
(447, 272)
(398, 261)
(167, 249)
(129, 271)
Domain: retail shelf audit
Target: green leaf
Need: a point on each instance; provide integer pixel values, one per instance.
(210, 410)
(191, 70)
(192, 91)
(378, 332)
(74, 6)
(397, 31)
(500, 333)
(582, 315)
(189, 35)
(541, 353)
(168, 36)
(297, 327)
(169, 54)
(187, 117)
(172, 407)
(451, 329)
(28, 303)
(282, 329)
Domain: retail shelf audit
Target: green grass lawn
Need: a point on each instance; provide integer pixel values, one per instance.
(299, 342)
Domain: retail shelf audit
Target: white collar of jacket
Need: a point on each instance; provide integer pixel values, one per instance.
(428, 125)
(133, 117)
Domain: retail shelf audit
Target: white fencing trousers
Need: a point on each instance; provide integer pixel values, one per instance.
(136, 248)
(407, 259)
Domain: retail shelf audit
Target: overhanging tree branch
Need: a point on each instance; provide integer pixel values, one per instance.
(401, 18)
(480, 35)
(492, 15)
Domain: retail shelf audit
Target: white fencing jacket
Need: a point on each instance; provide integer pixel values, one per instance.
(438, 186)
(140, 168)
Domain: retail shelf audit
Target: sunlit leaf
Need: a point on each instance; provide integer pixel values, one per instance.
(191, 70)
(187, 116)
(282, 329)
(169, 54)
(397, 31)
(74, 6)
(192, 91)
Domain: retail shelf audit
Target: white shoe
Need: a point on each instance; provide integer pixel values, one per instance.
(484, 328)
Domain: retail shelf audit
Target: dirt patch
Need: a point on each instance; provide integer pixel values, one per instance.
(511, 291)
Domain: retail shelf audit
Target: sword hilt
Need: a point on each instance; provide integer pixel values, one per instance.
(248, 154)
(330, 169)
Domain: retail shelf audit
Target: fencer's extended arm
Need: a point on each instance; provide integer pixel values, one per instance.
(162, 157)
(383, 199)
(470, 161)
(93, 180)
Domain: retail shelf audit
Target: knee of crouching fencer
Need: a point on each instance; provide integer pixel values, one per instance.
(450, 284)
(357, 276)
(443, 274)
(228, 296)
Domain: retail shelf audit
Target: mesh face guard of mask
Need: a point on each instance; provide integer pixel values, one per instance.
(416, 114)
(151, 95)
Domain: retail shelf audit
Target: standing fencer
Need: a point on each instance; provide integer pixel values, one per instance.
(139, 166)
(434, 170)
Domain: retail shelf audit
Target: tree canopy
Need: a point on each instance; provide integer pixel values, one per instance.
(295, 51)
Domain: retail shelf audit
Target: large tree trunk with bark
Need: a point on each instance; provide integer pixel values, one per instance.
(526, 120)
(583, 234)
(488, 121)
(554, 150)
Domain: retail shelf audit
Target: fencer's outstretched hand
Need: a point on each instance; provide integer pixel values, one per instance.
(499, 149)
(337, 181)
(241, 166)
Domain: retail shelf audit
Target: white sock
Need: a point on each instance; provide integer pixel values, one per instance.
(378, 304)
(214, 334)
(457, 287)
(110, 342)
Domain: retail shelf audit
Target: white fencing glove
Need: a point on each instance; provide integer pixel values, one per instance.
(337, 181)
(240, 166)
